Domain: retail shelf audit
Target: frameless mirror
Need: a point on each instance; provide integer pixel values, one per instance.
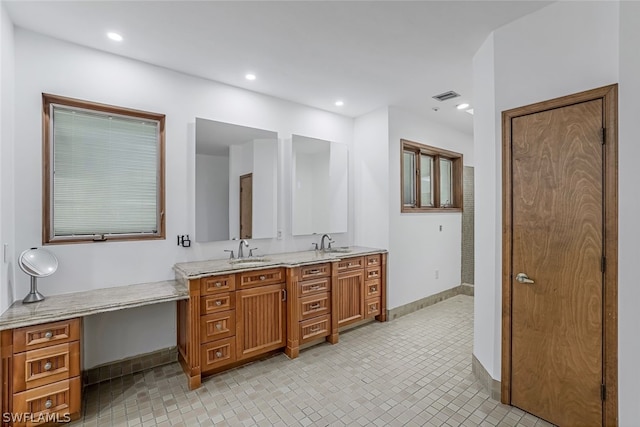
(37, 262)
(236, 182)
(320, 186)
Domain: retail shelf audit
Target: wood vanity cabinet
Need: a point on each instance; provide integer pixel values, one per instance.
(230, 319)
(41, 373)
(310, 305)
(350, 292)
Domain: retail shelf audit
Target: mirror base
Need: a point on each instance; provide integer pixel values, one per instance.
(33, 296)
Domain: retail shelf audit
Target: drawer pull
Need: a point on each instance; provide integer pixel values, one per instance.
(218, 302)
(315, 328)
(218, 354)
(314, 287)
(373, 289)
(48, 366)
(262, 277)
(373, 307)
(48, 404)
(219, 326)
(314, 271)
(218, 284)
(314, 306)
(48, 335)
(349, 264)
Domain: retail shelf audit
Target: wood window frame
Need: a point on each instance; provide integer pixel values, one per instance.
(456, 177)
(47, 164)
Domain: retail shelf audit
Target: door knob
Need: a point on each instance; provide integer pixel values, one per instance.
(523, 278)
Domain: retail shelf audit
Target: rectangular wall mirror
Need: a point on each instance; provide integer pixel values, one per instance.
(320, 186)
(236, 182)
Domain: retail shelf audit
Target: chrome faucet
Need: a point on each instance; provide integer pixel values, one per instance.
(240, 252)
(322, 247)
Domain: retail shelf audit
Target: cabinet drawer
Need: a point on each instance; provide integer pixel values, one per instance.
(217, 302)
(372, 260)
(372, 307)
(315, 328)
(35, 368)
(318, 270)
(250, 279)
(45, 335)
(351, 264)
(309, 287)
(217, 326)
(62, 398)
(315, 305)
(217, 353)
(372, 273)
(216, 284)
(372, 288)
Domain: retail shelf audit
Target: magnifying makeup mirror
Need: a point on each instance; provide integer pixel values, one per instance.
(37, 262)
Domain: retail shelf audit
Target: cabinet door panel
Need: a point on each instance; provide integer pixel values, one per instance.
(350, 289)
(260, 320)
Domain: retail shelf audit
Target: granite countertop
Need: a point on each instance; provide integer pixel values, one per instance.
(196, 269)
(85, 303)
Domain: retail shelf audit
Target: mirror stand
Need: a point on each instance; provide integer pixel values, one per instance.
(33, 295)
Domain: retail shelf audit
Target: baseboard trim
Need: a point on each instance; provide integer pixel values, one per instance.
(403, 310)
(493, 387)
(130, 365)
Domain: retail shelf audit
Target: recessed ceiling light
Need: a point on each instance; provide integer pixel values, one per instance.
(250, 76)
(115, 36)
(462, 106)
(339, 103)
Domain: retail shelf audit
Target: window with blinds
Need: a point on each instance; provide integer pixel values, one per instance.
(104, 172)
(431, 178)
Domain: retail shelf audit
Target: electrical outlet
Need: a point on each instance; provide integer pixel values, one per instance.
(279, 235)
(440, 228)
(437, 274)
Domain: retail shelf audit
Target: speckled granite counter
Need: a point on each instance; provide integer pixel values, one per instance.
(85, 303)
(193, 270)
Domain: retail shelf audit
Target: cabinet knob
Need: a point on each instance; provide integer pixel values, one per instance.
(48, 404)
(48, 335)
(218, 302)
(263, 277)
(373, 289)
(219, 326)
(48, 366)
(218, 284)
(218, 354)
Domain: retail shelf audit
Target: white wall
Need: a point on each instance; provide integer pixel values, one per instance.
(212, 186)
(629, 205)
(84, 73)
(371, 186)
(564, 48)
(419, 251)
(7, 234)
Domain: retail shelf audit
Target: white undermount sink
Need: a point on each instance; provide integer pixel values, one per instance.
(248, 262)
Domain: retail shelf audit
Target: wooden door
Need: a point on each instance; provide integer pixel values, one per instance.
(260, 320)
(350, 297)
(246, 206)
(557, 252)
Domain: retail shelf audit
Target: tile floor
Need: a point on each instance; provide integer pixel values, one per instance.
(413, 371)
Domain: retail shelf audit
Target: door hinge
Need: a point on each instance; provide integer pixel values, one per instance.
(604, 136)
(603, 264)
(603, 392)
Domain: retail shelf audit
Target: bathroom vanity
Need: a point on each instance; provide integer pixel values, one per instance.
(239, 312)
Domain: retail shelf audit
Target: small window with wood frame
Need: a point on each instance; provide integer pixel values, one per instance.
(431, 178)
(103, 172)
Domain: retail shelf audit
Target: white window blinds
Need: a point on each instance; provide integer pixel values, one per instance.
(105, 174)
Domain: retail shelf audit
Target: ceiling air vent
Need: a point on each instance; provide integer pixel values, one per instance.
(447, 95)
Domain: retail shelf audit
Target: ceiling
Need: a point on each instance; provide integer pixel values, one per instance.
(368, 53)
